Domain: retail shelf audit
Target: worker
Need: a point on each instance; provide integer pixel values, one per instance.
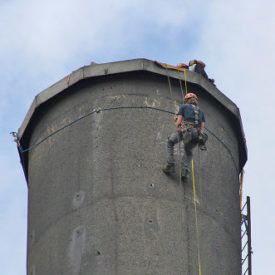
(190, 124)
(199, 67)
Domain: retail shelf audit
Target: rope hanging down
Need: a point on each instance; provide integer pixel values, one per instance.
(185, 81)
(194, 195)
(182, 96)
(196, 217)
(169, 82)
(193, 175)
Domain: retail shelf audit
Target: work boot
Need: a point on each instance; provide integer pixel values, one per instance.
(184, 173)
(169, 168)
(202, 147)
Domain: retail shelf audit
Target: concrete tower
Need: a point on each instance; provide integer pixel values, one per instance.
(92, 147)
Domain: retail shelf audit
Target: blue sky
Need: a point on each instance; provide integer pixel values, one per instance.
(43, 41)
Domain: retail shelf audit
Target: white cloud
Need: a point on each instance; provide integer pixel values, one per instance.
(53, 32)
(45, 40)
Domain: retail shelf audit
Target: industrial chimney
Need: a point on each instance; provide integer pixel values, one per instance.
(92, 147)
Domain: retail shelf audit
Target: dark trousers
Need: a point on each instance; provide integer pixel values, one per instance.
(190, 141)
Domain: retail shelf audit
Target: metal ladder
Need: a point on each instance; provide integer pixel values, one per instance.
(246, 238)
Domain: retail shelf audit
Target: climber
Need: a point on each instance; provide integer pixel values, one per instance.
(190, 124)
(198, 67)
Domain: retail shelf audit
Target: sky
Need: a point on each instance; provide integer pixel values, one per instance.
(43, 41)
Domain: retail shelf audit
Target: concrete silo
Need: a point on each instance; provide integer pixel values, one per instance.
(92, 147)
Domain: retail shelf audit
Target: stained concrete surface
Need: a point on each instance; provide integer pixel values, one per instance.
(98, 200)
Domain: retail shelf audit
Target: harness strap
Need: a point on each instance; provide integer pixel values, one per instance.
(196, 111)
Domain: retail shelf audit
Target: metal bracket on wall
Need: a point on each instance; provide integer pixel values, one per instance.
(246, 238)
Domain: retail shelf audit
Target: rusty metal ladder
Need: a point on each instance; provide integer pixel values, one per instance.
(246, 238)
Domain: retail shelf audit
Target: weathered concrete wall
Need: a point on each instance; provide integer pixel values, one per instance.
(98, 200)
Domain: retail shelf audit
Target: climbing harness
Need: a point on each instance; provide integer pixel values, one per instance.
(186, 126)
(196, 114)
(202, 137)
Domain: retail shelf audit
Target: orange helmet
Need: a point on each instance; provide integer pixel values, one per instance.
(190, 95)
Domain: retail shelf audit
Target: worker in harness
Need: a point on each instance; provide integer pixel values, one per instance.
(190, 124)
(199, 67)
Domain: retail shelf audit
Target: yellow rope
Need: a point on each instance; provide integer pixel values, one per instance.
(169, 83)
(194, 190)
(185, 82)
(194, 193)
(193, 177)
(196, 216)
(180, 163)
